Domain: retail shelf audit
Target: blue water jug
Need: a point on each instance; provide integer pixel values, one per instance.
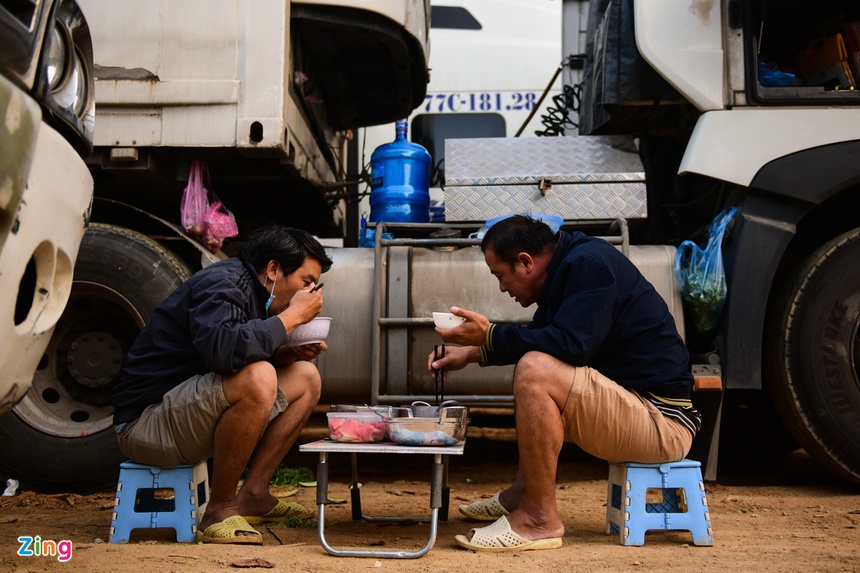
(400, 179)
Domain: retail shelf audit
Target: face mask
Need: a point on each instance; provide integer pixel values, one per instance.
(271, 295)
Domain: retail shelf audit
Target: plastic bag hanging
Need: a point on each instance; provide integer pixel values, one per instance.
(218, 224)
(203, 215)
(195, 200)
(702, 277)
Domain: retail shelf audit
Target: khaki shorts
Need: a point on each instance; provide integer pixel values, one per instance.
(181, 428)
(617, 425)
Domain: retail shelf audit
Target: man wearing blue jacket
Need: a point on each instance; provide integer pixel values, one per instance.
(601, 364)
(210, 377)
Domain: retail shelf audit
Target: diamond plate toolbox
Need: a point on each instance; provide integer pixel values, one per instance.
(576, 178)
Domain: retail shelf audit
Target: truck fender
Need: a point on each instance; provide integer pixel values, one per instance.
(751, 255)
(835, 169)
(765, 225)
(116, 208)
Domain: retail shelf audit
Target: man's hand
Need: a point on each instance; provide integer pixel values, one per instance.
(456, 358)
(286, 355)
(473, 331)
(309, 351)
(304, 307)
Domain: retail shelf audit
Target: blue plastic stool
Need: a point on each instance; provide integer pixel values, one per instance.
(144, 500)
(684, 506)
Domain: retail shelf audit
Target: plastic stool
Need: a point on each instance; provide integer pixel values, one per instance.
(684, 506)
(143, 499)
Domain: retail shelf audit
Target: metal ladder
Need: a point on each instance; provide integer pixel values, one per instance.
(383, 295)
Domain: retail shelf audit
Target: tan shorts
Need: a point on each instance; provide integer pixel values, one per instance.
(617, 425)
(181, 428)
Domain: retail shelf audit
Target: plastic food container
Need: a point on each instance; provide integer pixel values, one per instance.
(381, 411)
(424, 431)
(445, 430)
(356, 427)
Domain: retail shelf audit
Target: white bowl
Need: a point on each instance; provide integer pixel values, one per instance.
(447, 320)
(312, 332)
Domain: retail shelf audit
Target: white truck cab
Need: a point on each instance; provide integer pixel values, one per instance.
(47, 109)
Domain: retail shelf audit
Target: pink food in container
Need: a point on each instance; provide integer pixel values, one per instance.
(355, 427)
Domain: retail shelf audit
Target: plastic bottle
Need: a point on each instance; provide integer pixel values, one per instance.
(400, 181)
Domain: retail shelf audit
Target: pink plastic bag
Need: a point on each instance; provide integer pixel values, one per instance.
(195, 200)
(203, 215)
(218, 224)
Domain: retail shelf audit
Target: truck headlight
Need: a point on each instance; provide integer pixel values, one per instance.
(55, 58)
(66, 75)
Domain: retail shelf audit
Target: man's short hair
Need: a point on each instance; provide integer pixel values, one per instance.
(518, 234)
(286, 245)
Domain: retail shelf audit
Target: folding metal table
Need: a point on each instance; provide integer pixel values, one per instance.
(439, 491)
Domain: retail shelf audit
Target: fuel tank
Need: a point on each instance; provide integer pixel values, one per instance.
(413, 282)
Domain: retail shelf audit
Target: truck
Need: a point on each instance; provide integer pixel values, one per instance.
(47, 104)
(267, 93)
(751, 105)
(469, 36)
(704, 108)
(682, 112)
(690, 109)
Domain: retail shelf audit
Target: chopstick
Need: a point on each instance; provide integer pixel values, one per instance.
(436, 372)
(439, 352)
(442, 375)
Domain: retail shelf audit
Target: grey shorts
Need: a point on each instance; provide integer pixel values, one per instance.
(181, 428)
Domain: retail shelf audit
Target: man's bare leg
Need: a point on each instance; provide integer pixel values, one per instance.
(301, 384)
(541, 387)
(251, 393)
(512, 497)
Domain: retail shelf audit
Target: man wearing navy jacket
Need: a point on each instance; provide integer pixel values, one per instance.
(601, 364)
(210, 377)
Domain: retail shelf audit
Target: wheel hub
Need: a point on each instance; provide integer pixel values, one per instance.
(94, 359)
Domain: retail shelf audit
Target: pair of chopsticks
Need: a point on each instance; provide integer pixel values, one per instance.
(439, 352)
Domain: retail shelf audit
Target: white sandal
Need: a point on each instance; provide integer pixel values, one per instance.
(500, 537)
(489, 510)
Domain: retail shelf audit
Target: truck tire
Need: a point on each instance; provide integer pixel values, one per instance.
(60, 436)
(812, 354)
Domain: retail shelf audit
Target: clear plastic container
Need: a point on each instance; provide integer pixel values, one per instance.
(356, 427)
(425, 431)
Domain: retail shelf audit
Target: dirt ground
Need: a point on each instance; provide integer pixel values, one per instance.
(769, 514)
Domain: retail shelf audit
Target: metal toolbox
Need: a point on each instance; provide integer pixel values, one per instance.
(576, 178)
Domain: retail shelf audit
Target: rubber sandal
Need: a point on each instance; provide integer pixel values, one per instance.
(489, 510)
(282, 510)
(500, 537)
(225, 532)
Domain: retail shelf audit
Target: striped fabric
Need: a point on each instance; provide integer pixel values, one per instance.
(681, 410)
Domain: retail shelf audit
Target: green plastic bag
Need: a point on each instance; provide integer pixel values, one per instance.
(702, 277)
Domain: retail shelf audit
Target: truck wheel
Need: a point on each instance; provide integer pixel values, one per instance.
(60, 436)
(812, 354)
